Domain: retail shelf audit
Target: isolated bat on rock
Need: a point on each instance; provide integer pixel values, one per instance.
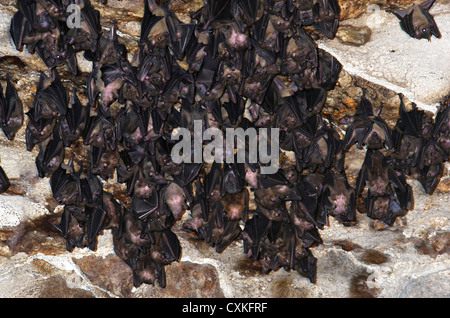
(417, 21)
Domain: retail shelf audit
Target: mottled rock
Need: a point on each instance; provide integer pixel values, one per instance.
(359, 287)
(352, 35)
(32, 237)
(109, 273)
(429, 285)
(186, 280)
(436, 244)
(374, 257)
(56, 287)
(354, 8)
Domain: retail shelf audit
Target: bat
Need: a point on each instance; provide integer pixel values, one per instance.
(306, 218)
(323, 152)
(302, 11)
(51, 97)
(72, 230)
(65, 185)
(148, 271)
(326, 17)
(388, 206)
(428, 176)
(367, 129)
(126, 251)
(73, 123)
(247, 12)
(271, 197)
(221, 232)
(298, 55)
(94, 226)
(417, 21)
(103, 161)
(91, 190)
(51, 155)
(441, 131)
(412, 138)
(11, 110)
(327, 72)
(39, 130)
(377, 172)
(310, 101)
(254, 233)
(175, 198)
(388, 195)
(86, 36)
(214, 12)
(166, 248)
(233, 178)
(337, 197)
(100, 131)
(199, 213)
(235, 205)
(164, 158)
(133, 230)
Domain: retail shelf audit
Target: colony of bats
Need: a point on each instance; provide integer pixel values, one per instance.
(236, 64)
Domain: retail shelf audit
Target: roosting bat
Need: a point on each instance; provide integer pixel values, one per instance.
(417, 21)
(368, 129)
(338, 197)
(50, 155)
(51, 97)
(11, 110)
(73, 123)
(388, 194)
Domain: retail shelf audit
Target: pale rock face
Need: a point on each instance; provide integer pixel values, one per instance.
(393, 59)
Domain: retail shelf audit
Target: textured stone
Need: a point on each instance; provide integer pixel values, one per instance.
(32, 237)
(352, 35)
(393, 59)
(109, 273)
(186, 280)
(354, 8)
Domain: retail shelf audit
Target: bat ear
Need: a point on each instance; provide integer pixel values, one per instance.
(364, 107)
(400, 14)
(427, 4)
